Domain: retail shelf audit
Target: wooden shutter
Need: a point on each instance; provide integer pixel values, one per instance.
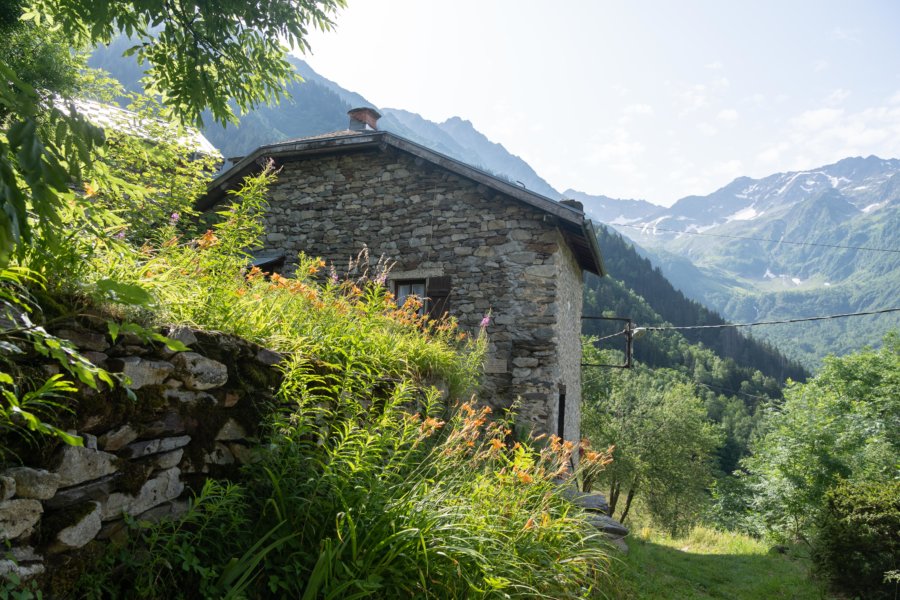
(438, 292)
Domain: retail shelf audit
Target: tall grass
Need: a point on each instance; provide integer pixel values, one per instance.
(388, 503)
(370, 482)
(206, 282)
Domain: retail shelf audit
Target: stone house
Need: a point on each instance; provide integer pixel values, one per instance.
(471, 243)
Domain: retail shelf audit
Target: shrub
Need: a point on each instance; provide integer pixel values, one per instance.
(857, 544)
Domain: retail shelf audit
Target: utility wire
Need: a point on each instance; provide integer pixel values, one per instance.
(744, 237)
(606, 337)
(781, 322)
(636, 330)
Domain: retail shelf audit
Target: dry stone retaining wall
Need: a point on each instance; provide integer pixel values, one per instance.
(196, 416)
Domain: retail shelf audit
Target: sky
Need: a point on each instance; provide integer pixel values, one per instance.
(636, 99)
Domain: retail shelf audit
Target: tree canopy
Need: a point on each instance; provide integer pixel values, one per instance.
(199, 55)
(842, 425)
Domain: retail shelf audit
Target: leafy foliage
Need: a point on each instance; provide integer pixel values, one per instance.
(199, 55)
(857, 545)
(842, 425)
(27, 408)
(158, 174)
(358, 497)
(664, 444)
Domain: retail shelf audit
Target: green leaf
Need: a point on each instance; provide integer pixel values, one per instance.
(125, 293)
(174, 345)
(113, 328)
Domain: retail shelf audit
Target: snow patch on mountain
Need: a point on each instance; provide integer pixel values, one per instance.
(745, 214)
(874, 206)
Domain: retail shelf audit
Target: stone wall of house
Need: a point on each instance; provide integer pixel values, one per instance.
(569, 300)
(195, 416)
(504, 258)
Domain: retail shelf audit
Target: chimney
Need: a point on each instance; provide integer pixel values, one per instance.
(573, 203)
(363, 119)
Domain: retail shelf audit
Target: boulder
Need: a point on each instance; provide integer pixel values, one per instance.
(183, 335)
(592, 501)
(219, 455)
(230, 431)
(269, 358)
(168, 459)
(84, 340)
(607, 525)
(116, 439)
(188, 397)
(23, 561)
(7, 487)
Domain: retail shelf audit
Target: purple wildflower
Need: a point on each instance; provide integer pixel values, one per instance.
(174, 218)
(120, 235)
(485, 321)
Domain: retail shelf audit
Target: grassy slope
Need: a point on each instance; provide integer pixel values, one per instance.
(708, 564)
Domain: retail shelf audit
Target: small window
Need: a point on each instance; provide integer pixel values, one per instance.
(412, 287)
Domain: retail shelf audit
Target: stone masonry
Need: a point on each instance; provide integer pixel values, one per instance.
(504, 258)
(195, 416)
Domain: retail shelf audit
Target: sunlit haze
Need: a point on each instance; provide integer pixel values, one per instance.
(636, 99)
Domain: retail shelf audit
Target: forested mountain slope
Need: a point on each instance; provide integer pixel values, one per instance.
(664, 304)
(733, 374)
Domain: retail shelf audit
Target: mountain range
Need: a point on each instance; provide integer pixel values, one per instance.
(700, 243)
(791, 245)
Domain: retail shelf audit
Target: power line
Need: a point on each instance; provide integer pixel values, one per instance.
(758, 239)
(781, 322)
(638, 330)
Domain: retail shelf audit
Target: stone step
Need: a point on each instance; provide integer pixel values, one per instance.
(607, 525)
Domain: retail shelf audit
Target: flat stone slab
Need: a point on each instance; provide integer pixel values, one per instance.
(146, 448)
(607, 525)
(92, 490)
(34, 483)
(79, 464)
(82, 532)
(18, 517)
(163, 488)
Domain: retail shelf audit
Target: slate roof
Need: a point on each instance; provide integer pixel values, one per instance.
(575, 226)
(107, 116)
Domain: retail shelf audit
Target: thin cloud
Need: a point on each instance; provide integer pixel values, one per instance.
(634, 110)
(837, 97)
(728, 115)
(846, 35)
